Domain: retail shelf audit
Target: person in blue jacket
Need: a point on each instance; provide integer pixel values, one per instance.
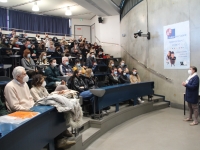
(192, 94)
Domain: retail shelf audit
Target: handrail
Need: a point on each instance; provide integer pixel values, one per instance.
(149, 69)
(37, 32)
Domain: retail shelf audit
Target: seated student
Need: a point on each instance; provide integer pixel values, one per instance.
(77, 83)
(88, 79)
(135, 78)
(28, 63)
(123, 67)
(100, 53)
(12, 34)
(78, 66)
(16, 92)
(38, 89)
(27, 45)
(41, 46)
(91, 50)
(5, 44)
(110, 65)
(91, 60)
(15, 42)
(75, 50)
(37, 37)
(52, 73)
(96, 47)
(123, 78)
(65, 68)
(51, 48)
(66, 52)
(42, 60)
(114, 77)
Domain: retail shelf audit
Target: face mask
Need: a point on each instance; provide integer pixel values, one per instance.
(29, 46)
(25, 79)
(53, 64)
(80, 57)
(29, 55)
(6, 42)
(189, 72)
(100, 53)
(124, 74)
(67, 63)
(134, 73)
(112, 64)
(122, 64)
(92, 74)
(43, 83)
(44, 57)
(93, 56)
(115, 72)
(78, 65)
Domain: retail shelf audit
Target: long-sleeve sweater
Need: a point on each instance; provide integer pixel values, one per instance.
(38, 93)
(135, 78)
(18, 96)
(28, 65)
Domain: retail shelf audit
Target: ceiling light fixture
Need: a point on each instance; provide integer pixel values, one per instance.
(3, 1)
(68, 11)
(35, 7)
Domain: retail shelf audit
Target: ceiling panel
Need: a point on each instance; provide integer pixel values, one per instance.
(117, 2)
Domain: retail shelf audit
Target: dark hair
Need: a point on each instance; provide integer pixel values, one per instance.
(51, 60)
(26, 52)
(113, 68)
(37, 80)
(77, 61)
(75, 72)
(194, 68)
(134, 69)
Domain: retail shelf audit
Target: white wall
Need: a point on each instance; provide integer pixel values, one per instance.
(108, 32)
(160, 13)
(78, 22)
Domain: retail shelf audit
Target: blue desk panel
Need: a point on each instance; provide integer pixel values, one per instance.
(35, 133)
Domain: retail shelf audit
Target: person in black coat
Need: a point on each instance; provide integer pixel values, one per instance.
(114, 77)
(192, 94)
(77, 83)
(123, 78)
(88, 79)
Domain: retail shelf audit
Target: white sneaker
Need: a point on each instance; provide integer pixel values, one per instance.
(140, 101)
(107, 111)
(104, 112)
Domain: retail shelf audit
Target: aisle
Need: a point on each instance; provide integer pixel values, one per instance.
(159, 130)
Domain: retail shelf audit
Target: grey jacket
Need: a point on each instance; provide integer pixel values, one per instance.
(28, 65)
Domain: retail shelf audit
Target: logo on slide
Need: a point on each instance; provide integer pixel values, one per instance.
(170, 33)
